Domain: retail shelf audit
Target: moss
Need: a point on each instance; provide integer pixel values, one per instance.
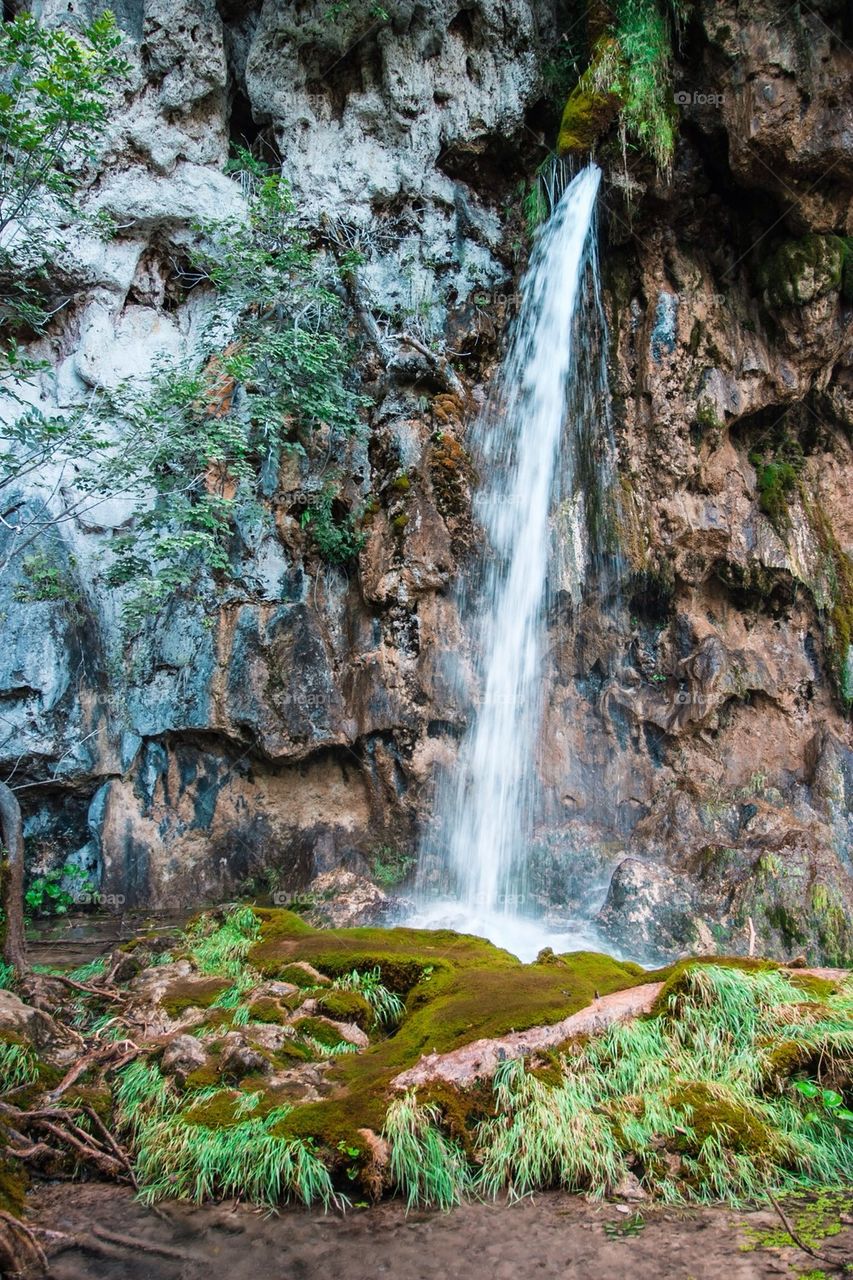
(460, 1111)
(838, 610)
(629, 76)
(814, 1221)
(786, 1058)
(674, 976)
(217, 1112)
(318, 1029)
(710, 1112)
(291, 1053)
(813, 986)
(847, 271)
(797, 271)
(13, 1187)
(347, 1006)
(203, 1077)
(398, 524)
(196, 994)
(99, 1099)
(458, 989)
(777, 484)
(450, 472)
(266, 1009)
(402, 483)
(590, 110)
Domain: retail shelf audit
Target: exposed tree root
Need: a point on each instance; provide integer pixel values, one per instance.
(102, 1153)
(20, 1251)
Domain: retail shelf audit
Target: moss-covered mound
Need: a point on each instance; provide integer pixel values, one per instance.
(695, 1102)
(738, 1079)
(457, 989)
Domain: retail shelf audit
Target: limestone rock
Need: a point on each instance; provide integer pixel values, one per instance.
(345, 899)
(183, 1055)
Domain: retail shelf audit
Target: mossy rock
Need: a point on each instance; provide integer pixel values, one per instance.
(320, 1030)
(676, 977)
(798, 271)
(590, 110)
(458, 988)
(347, 1006)
(266, 1009)
(198, 993)
(712, 1112)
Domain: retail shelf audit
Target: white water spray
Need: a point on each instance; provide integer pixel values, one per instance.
(486, 807)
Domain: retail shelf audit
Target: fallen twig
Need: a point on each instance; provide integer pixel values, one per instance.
(797, 1239)
(101, 992)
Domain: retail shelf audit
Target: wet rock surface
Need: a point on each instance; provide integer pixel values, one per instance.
(698, 728)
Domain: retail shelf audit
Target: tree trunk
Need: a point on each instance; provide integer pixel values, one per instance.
(12, 880)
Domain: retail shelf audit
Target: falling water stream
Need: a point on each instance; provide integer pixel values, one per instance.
(528, 449)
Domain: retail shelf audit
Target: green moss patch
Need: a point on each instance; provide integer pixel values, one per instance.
(347, 1006)
(458, 989)
(798, 271)
(198, 993)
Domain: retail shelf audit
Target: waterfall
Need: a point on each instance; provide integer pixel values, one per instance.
(531, 440)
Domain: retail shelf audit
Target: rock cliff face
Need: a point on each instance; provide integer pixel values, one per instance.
(697, 750)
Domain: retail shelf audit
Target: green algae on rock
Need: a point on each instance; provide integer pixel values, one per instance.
(798, 271)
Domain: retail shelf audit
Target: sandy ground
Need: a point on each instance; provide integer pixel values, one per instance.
(553, 1235)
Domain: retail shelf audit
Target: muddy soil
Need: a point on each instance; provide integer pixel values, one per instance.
(551, 1235)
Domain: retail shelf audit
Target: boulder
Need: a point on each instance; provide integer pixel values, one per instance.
(241, 1059)
(346, 900)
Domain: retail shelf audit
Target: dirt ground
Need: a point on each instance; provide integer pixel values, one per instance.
(551, 1235)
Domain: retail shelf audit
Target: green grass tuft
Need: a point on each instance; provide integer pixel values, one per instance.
(18, 1065)
(388, 1008)
(425, 1166)
(177, 1159)
(221, 950)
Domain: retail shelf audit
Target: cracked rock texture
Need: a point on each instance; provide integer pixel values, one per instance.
(697, 761)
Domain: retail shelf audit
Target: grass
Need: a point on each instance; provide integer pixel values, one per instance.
(221, 950)
(700, 1080)
(456, 989)
(18, 1065)
(86, 972)
(645, 81)
(425, 1166)
(629, 78)
(177, 1159)
(234, 997)
(699, 1099)
(388, 1008)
